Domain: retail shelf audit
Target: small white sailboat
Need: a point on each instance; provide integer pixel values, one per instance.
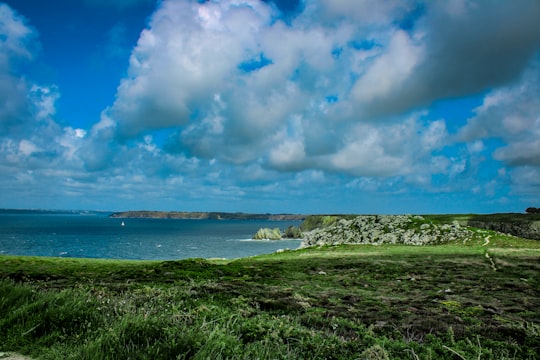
(123, 224)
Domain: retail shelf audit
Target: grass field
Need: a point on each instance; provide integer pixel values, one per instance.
(478, 300)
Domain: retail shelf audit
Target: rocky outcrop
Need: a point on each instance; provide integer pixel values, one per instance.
(527, 230)
(292, 232)
(268, 234)
(386, 229)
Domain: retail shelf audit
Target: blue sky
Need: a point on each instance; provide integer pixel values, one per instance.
(315, 106)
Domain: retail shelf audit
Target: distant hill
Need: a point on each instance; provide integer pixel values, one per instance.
(52, 211)
(204, 215)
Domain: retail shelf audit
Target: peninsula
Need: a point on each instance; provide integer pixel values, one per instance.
(204, 215)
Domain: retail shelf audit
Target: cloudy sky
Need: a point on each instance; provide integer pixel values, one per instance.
(303, 106)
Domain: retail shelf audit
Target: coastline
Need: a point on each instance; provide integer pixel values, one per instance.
(194, 215)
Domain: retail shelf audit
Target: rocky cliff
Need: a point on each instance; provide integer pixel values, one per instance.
(386, 229)
(527, 230)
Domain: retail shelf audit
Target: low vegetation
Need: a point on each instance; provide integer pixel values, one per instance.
(312, 222)
(472, 300)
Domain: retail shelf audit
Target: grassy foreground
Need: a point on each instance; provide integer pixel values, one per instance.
(457, 301)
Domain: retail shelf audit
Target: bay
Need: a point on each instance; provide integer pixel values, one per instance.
(95, 235)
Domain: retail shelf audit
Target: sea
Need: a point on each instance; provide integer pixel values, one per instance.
(95, 235)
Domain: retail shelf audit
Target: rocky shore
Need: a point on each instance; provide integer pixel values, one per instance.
(386, 229)
(368, 229)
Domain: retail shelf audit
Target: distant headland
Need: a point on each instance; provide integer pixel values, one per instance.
(204, 215)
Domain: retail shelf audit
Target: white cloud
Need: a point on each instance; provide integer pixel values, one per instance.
(387, 150)
(526, 180)
(224, 99)
(44, 99)
(288, 154)
(31, 140)
(389, 71)
(27, 148)
(190, 52)
(435, 135)
(476, 147)
(237, 86)
(16, 41)
(367, 157)
(463, 53)
(512, 114)
(521, 153)
(71, 140)
(15, 38)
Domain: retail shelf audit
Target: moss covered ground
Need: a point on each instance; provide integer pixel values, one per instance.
(478, 300)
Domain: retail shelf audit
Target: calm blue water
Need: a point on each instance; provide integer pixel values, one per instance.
(98, 236)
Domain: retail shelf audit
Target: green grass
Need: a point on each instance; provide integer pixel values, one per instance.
(322, 221)
(453, 301)
(502, 217)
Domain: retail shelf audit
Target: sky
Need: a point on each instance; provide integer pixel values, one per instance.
(303, 106)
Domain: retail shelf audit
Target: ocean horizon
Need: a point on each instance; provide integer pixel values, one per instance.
(93, 234)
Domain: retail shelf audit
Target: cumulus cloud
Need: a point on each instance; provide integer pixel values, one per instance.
(510, 117)
(32, 144)
(456, 49)
(234, 97)
(527, 179)
(388, 150)
(389, 71)
(16, 41)
(16, 38)
(233, 82)
(24, 106)
(512, 114)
